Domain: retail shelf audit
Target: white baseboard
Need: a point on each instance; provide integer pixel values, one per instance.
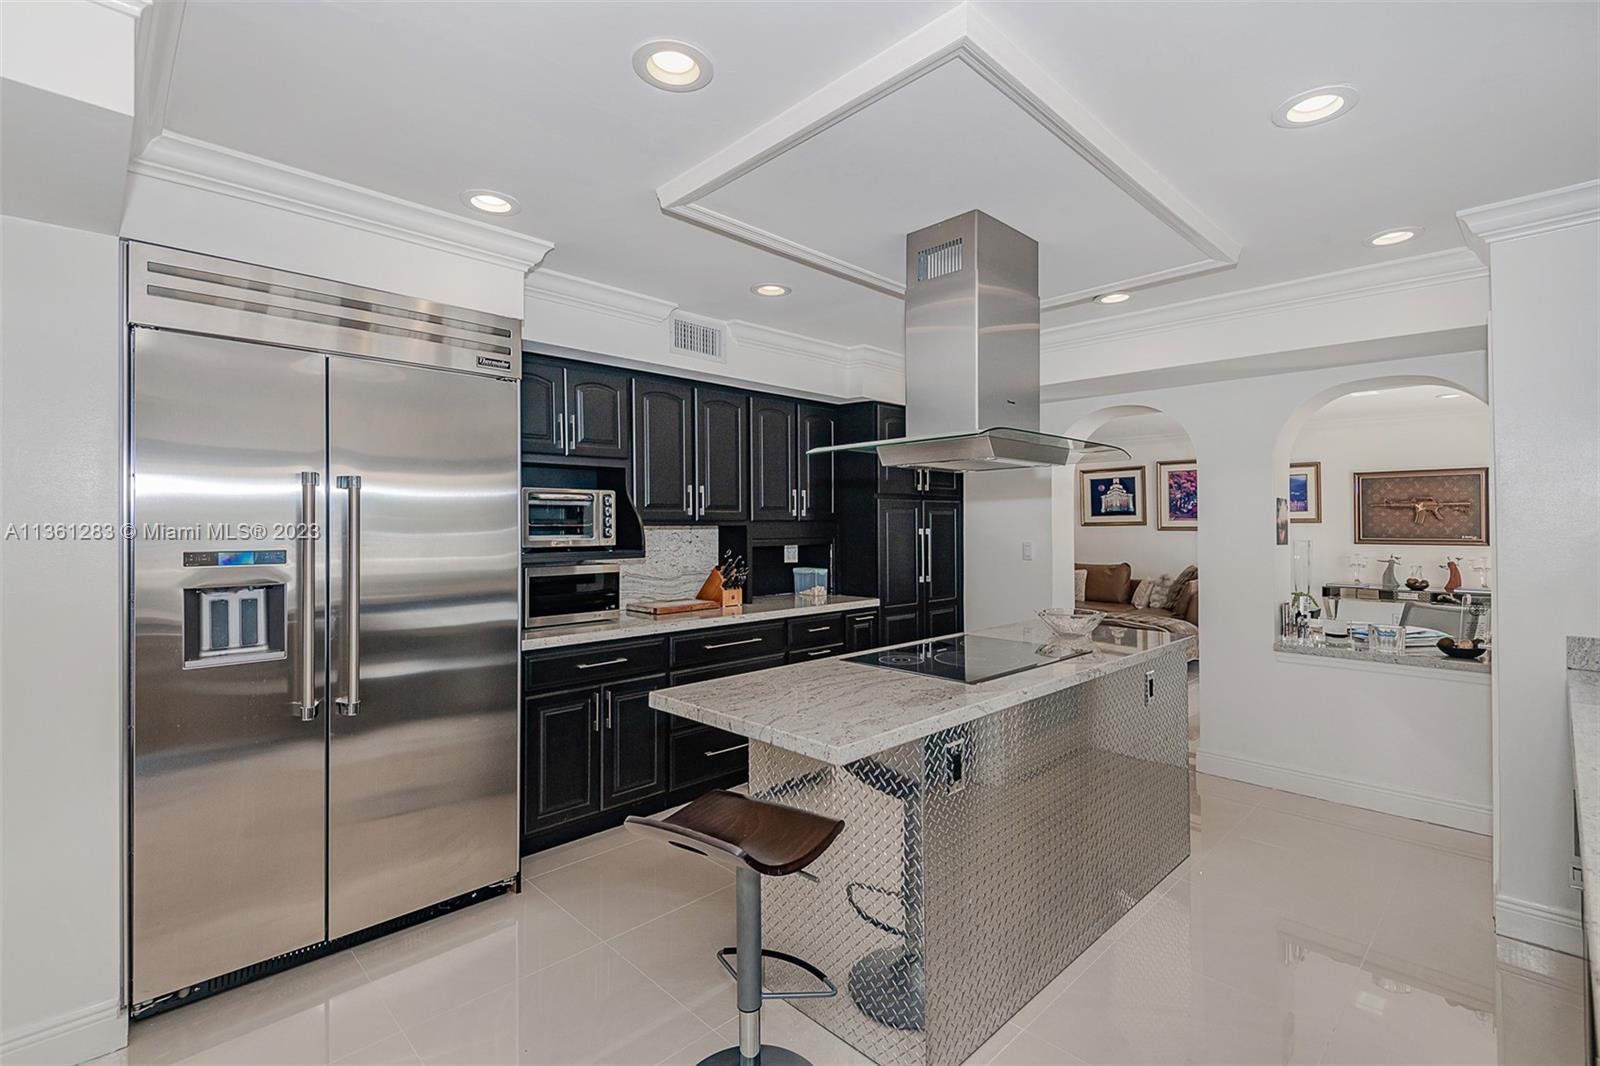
(1535, 923)
(69, 1038)
(1405, 803)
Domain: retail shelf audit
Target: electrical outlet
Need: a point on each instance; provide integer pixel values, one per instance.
(791, 553)
(1027, 551)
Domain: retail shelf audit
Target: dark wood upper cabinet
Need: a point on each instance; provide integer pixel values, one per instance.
(894, 479)
(722, 452)
(941, 588)
(543, 407)
(663, 461)
(899, 554)
(817, 428)
(774, 490)
(598, 422)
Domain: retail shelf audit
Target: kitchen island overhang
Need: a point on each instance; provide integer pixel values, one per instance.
(992, 831)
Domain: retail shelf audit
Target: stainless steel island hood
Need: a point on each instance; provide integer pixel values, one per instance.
(972, 355)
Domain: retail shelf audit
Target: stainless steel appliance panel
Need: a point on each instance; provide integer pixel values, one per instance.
(422, 751)
(555, 595)
(228, 770)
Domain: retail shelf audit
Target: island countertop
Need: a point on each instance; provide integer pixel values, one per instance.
(838, 711)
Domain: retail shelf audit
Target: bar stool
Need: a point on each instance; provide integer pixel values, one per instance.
(754, 838)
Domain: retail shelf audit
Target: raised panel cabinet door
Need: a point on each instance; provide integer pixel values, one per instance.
(561, 761)
(598, 425)
(634, 738)
(722, 452)
(942, 483)
(774, 490)
(544, 407)
(900, 624)
(942, 562)
(899, 555)
(817, 429)
(663, 460)
(894, 479)
(861, 631)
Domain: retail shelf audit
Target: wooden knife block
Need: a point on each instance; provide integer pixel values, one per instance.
(715, 591)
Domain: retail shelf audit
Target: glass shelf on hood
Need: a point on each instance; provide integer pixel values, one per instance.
(1001, 448)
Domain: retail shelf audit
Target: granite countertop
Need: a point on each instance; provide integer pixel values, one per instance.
(1583, 705)
(839, 711)
(761, 609)
(1421, 658)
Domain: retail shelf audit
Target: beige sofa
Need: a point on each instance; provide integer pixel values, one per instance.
(1111, 588)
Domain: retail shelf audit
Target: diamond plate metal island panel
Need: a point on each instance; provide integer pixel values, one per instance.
(977, 863)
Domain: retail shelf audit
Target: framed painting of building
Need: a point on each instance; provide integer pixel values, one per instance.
(1177, 494)
(1423, 506)
(1111, 496)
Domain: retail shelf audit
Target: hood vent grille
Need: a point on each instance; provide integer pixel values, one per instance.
(940, 260)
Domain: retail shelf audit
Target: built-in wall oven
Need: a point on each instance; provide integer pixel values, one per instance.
(557, 594)
(569, 518)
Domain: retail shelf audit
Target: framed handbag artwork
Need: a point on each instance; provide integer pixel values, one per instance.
(1177, 494)
(1423, 506)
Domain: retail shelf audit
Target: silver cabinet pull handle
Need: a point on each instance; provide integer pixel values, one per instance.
(701, 512)
(817, 629)
(819, 651)
(688, 500)
(305, 563)
(608, 708)
(350, 676)
(805, 506)
(572, 432)
(794, 502)
(927, 534)
(561, 431)
(734, 643)
(725, 751)
(609, 662)
(595, 704)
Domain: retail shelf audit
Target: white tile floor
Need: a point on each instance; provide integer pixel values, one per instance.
(1298, 931)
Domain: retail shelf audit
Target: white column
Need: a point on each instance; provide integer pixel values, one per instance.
(1544, 401)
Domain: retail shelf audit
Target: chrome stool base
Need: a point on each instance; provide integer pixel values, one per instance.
(770, 1056)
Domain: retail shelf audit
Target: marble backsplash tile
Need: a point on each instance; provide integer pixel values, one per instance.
(677, 560)
(1583, 653)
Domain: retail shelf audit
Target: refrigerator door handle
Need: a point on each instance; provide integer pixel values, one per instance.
(305, 556)
(350, 675)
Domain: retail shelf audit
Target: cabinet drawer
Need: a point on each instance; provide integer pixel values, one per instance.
(726, 644)
(815, 631)
(592, 664)
(705, 753)
(708, 673)
(805, 655)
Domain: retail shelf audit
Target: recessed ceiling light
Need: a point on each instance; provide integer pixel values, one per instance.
(1384, 238)
(491, 202)
(770, 290)
(1315, 105)
(672, 65)
(1113, 298)
(1448, 396)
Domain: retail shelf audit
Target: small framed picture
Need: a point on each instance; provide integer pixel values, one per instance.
(1111, 496)
(1178, 494)
(1282, 522)
(1305, 492)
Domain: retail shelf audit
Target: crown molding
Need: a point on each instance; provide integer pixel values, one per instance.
(1421, 271)
(131, 8)
(211, 168)
(878, 358)
(1525, 216)
(965, 35)
(155, 54)
(756, 337)
(573, 291)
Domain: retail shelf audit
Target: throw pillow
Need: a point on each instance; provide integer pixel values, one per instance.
(1108, 583)
(1180, 603)
(1080, 585)
(1141, 593)
(1186, 575)
(1160, 593)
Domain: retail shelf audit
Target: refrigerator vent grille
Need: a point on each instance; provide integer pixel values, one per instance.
(697, 338)
(939, 260)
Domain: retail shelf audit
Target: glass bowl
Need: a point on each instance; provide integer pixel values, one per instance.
(1068, 623)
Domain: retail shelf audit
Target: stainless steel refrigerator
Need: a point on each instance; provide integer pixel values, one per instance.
(324, 614)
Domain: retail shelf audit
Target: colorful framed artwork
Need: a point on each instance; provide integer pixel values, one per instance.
(1281, 522)
(1423, 506)
(1305, 492)
(1111, 496)
(1177, 494)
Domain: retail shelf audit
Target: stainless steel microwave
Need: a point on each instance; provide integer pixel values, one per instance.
(569, 518)
(555, 595)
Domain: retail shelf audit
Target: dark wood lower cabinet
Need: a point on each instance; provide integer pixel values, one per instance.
(634, 743)
(561, 758)
(861, 631)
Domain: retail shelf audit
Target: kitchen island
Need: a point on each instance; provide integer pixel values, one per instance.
(993, 830)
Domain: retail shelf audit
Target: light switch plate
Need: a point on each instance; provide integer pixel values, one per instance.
(791, 553)
(1027, 550)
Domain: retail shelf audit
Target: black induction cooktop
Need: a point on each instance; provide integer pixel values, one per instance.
(968, 659)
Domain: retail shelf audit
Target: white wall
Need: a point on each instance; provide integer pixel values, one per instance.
(60, 648)
(1545, 385)
(1002, 511)
(1402, 740)
(1455, 436)
(1151, 551)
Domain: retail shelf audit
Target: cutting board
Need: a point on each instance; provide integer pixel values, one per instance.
(657, 607)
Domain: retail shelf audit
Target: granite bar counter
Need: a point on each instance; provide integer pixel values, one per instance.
(1418, 658)
(993, 831)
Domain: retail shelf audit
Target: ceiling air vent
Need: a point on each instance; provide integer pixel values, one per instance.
(697, 338)
(939, 260)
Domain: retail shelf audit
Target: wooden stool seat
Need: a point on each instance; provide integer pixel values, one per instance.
(769, 838)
